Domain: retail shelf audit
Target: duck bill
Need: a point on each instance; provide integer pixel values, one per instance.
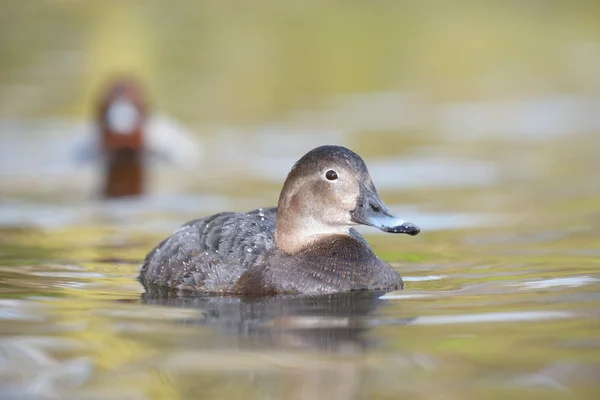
(373, 212)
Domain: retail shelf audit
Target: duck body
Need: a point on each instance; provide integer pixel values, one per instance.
(306, 245)
(130, 136)
(212, 253)
(236, 253)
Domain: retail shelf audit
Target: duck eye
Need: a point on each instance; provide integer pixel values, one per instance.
(331, 175)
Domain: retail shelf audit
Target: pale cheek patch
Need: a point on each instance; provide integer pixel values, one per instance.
(122, 116)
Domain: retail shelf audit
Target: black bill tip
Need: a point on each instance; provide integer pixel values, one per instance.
(406, 227)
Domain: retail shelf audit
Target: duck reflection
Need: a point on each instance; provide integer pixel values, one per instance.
(336, 322)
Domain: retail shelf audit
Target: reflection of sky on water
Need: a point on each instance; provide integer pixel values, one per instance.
(529, 119)
(165, 213)
(522, 316)
(40, 155)
(432, 171)
(532, 118)
(556, 282)
(55, 145)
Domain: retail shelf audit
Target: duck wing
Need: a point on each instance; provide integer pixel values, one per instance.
(210, 254)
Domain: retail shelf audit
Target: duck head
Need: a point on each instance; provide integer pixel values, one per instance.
(122, 113)
(327, 192)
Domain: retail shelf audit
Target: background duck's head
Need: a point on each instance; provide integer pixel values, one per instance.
(123, 109)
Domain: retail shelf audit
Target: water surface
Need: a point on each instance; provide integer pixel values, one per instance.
(500, 301)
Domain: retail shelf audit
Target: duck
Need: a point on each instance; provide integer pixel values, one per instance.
(308, 244)
(128, 138)
(122, 115)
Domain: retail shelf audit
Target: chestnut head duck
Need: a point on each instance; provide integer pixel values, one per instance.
(122, 115)
(307, 245)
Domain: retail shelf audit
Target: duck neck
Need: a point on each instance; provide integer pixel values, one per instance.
(297, 232)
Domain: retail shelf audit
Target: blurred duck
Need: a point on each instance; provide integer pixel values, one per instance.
(122, 118)
(130, 136)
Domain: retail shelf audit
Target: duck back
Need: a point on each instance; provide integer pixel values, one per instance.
(210, 254)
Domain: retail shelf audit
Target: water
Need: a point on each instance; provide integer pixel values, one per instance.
(478, 327)
(502, 299)
(492, 152)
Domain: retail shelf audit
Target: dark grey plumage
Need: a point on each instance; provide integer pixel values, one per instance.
(210, 254)
(339, 263)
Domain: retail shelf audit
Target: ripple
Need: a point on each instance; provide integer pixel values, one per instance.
(422, 278)
(548, 283)
(493, 317)
(18, 310)
(74, 275)
(396, 296)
